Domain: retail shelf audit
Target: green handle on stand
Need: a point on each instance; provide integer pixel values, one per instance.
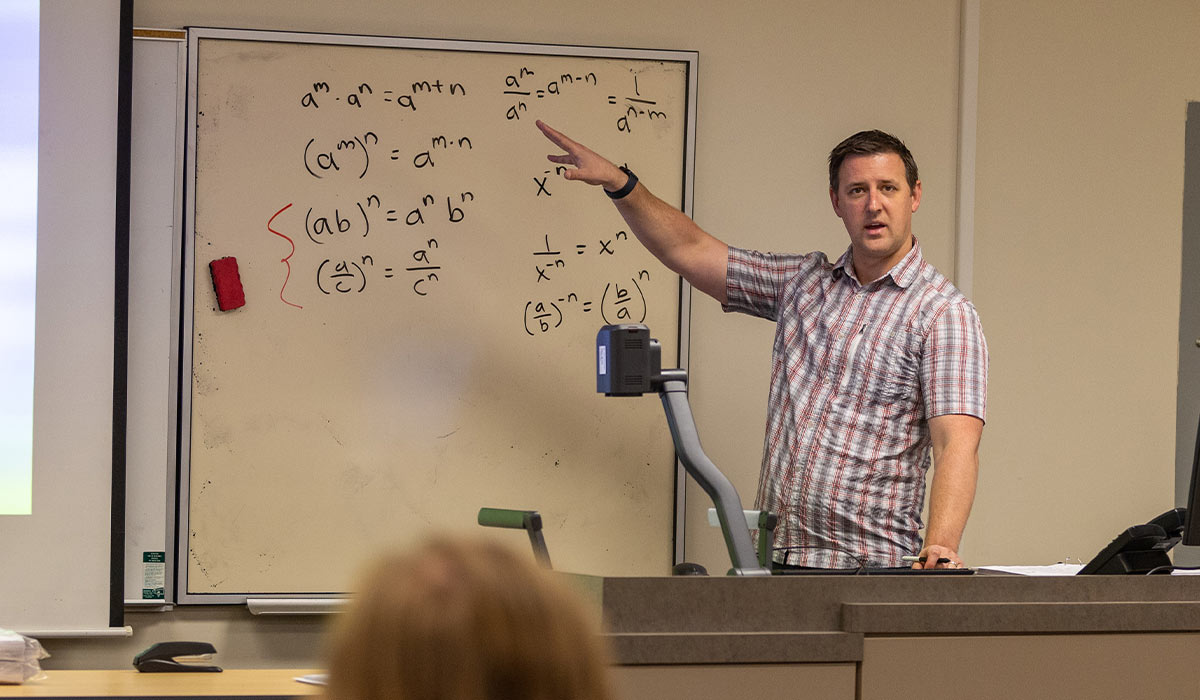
(766, 537)
(528, 520)
(504, 517)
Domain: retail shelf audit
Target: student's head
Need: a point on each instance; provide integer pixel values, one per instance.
(464, 619)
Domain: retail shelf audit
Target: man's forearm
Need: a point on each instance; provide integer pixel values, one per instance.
(951, 496)
(955, 473)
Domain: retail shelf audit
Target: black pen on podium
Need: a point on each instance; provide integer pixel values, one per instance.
(914, 560)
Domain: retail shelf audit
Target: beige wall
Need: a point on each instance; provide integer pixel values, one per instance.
(1076, 247)
(1078, 231)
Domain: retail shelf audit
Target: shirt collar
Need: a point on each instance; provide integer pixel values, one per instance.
(903, 274)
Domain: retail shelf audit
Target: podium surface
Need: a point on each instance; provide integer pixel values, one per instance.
(869, 637)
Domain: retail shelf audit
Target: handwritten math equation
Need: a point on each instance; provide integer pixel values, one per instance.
(619, 302)
(549, 262)
(349, 275)
(524, 86)
(350, 155)
(324, 224)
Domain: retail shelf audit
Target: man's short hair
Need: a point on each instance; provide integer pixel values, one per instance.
(866, 143)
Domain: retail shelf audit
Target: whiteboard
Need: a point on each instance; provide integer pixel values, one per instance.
(422, 297)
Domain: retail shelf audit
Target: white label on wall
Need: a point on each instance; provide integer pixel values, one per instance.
(154, 571)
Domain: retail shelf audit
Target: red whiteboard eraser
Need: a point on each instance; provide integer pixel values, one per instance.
(227, 283)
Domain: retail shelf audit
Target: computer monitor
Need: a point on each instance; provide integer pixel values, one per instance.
(1191, 522)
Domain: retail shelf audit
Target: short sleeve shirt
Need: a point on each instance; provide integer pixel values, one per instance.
(857, 370)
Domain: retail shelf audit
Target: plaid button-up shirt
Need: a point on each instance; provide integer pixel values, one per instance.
(857, 371)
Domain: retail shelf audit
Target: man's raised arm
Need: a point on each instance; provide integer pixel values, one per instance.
(666, 232)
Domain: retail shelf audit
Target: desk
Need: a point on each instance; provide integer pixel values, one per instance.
(233, 683)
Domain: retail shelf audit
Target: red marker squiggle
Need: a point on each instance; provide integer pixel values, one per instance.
(286, 259)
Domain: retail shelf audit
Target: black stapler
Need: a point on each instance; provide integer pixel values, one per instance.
(164, 658)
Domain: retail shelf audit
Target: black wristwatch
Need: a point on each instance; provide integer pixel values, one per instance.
(628, 185)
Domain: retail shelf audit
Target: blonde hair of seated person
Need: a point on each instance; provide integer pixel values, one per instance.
(465, 619)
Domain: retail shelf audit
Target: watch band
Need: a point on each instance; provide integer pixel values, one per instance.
(629, 185)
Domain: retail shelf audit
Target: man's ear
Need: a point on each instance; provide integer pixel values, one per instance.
(916, 196)
(833, 199)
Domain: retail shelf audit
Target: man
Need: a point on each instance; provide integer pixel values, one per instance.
(877, 359)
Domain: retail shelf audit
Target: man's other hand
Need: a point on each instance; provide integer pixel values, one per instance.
(935, 552)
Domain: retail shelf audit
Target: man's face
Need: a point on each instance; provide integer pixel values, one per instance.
(875, 203)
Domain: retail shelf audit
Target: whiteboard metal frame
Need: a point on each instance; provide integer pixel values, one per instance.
(144, 484)
(196, 34)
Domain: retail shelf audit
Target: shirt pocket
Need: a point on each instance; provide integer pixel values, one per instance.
(886, 367)
(876, 405)
(901, 374)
